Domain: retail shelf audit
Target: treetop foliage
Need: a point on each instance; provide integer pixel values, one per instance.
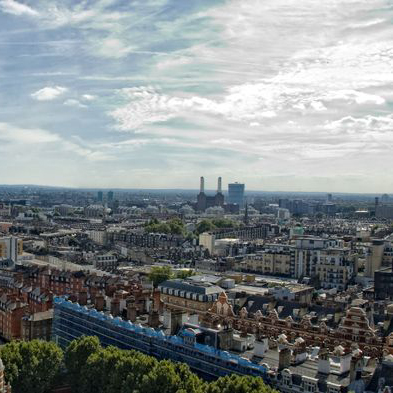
(159, 274)
(39, 366)
(215, 223)
(174, 226)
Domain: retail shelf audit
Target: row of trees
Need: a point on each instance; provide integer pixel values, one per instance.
(215, 223)
(176, 226)
(39, 366)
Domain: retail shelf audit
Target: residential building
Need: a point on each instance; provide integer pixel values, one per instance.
(374, 257)
(308, 251)
(10, 248)
(98, 236)
(37, 326)
(383, 283)
(335, 268)
(275, 259)
(207, 240)
(12, 309)
(188, 295)
(105, 262)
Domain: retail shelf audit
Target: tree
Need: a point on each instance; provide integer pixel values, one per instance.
(204, 226)
(36, 366)
(239, 384)
(174, 227)
(223, 223)
(168, 377)
(130, 372)
(159, 274)
(32, 366)
(184, 273)
(75, 357)
(112, 370)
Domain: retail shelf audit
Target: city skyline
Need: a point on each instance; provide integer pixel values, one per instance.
(279, 95)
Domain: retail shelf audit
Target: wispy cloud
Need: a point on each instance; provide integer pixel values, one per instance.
(245, 89)
(75, 103)
(49, 93)
(22, 138)
(15, 8)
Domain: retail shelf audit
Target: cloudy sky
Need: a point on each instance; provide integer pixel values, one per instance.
(279, 94)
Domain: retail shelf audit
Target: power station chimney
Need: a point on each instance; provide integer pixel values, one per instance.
(219, 185)
(202, 186)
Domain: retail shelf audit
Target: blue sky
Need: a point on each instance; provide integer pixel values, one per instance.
(279, 94)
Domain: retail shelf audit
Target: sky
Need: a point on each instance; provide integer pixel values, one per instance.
(283, 95)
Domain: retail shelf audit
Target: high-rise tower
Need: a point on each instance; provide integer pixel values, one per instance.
(236, 193)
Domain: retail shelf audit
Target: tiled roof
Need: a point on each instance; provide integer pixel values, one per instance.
(189, 286)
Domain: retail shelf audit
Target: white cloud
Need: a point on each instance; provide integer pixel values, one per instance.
(304, 85)
(49, 93)
(75, 103)
(29, 136)
(21, 139)
(89, 97)
(15, 8)
(369, 123)
(112, 47)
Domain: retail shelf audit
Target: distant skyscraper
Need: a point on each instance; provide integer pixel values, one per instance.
(385, 198)
(100, 196)
(110, 196)
(236, 193)
(329, 197)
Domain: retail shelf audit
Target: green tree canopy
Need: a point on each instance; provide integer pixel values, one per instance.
(204, 226)
(32, 366)
(239, 384)
(174, 227)
(184, 273)
(75, 357)
(223, 223)
(169, 377)
(215, 223)
(112, 370)
(159, 274)
(36, 367)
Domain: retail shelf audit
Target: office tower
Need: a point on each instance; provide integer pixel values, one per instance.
(110, 196)
(236, 193)
(329, 197)
(385, 198)
(100, 196)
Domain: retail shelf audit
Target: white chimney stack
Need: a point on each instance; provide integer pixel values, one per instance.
(202, 185)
